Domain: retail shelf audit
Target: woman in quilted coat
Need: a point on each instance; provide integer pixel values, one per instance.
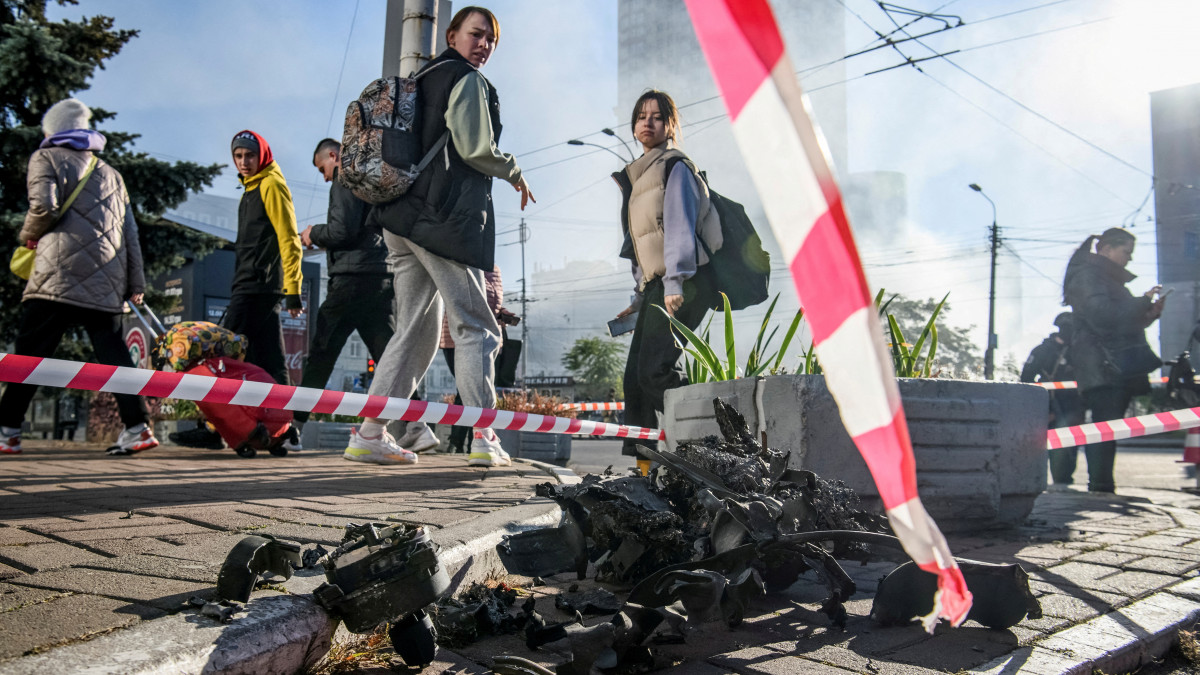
(89, 262)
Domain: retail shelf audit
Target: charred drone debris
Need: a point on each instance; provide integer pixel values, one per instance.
(715, 525)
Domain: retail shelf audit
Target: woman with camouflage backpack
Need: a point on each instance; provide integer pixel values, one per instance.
(441, 238)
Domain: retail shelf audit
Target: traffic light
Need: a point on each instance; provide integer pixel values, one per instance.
(371, 365)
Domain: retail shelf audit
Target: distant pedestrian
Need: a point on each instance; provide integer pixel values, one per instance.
(359, 295)
(665, 207)
(1109, 352)
(441, 238)
(1048, 363)
(89, 262)
(267, 265)
(460, 436)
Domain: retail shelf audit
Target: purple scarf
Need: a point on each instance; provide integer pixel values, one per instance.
(76, 139)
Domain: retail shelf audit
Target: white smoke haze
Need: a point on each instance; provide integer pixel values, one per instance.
(201, 71)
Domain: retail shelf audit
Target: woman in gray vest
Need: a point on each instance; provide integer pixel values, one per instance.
(665, 207)
(441, 238)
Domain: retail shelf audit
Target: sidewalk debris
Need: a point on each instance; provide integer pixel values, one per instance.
(251, 557)
(715, 525)
(386, 573)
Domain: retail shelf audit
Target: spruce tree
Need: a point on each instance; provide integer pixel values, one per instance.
(41, 63)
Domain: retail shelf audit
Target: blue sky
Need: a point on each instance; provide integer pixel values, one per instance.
(203, 70)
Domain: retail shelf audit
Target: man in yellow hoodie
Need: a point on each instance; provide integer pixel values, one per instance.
(268, 255)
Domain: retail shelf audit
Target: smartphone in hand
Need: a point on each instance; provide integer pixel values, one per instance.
(622, 325)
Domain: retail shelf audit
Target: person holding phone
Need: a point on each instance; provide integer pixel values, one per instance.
(665, 206)
(1109, 352)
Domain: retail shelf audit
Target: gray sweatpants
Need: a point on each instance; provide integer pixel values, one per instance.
(424, 283)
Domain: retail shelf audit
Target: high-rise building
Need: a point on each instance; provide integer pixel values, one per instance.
(1175, 136)
(657, 49)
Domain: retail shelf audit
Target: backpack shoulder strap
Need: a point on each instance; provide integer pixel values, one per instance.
(669, 166)
(66, 206)
(433, 152)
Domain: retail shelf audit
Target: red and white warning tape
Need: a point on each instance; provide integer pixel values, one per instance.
(1075, 385)
(119, 380)
(1130, 427)
(587, 407)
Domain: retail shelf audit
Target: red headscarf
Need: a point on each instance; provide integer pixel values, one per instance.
(264, 151)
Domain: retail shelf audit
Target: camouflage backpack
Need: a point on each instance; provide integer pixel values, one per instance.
(381, 142)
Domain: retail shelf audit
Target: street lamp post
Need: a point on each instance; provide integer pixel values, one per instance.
(609, 132)
(989, 356)
(576, 141)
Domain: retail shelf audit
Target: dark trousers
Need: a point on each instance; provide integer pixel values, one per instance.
(461, 437)
(257, 317)
(352, 302)
(653, 364)
(1106, 403)
(1066, 410)
(43, 324)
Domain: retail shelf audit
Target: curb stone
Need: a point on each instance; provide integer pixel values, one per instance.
(278, 634)
(1117, 642)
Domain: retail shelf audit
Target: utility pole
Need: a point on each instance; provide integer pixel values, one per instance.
(416, 45)
(989, 356)
(410, 35)
(524, 234)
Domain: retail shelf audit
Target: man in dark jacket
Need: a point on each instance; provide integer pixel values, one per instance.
(359, 296)
(1048, 363)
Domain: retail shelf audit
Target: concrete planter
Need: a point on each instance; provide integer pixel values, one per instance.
(980, 447)
(549, 448)
(163, 429)
(325, 435)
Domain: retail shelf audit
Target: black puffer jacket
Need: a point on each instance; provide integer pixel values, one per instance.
(448, 210)
(354, 246)
(1108, 318)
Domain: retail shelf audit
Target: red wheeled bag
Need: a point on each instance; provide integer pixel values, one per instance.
(245, 429)
(204, 348)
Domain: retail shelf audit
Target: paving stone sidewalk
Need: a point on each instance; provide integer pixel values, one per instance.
(91, 543)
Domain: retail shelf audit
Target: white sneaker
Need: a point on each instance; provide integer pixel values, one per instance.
(486, 450)
(381, 450)
(418, 438)
(291, 440)
(131, 442)
(10, 442)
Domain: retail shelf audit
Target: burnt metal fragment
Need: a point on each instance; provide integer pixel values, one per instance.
(251, 557)
(384, 573)
(312, 557)
(1002, 595)
(595, 601)
(478, 611)
(545, 552)
(413, 638)
(709, 596)
(586, 645)
(222, 611)
(538, 631)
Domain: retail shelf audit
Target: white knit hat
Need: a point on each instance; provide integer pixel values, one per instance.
(67, 114)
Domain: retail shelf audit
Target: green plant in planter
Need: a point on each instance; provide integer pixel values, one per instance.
(912, 360)
(704, 365)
